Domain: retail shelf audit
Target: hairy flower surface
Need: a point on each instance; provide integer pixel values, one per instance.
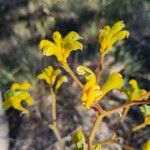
(50, 75)
(61, 47)
(134, 93)
(92, 91)
(17, 94)
(108, 36)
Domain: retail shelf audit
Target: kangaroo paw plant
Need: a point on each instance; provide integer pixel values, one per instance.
(92, 92)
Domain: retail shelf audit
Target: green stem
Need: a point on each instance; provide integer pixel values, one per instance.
(127, 147)
(57, 134)
(125, 112)
(138, 127)
(100, 67)
(53, 96)
(54, 124)
(106, 113)
(68, 69)
(93, 131)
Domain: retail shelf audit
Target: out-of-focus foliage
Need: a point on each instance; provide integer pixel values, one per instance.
(23, 23)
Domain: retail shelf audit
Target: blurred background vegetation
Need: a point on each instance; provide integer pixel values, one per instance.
(23, 23)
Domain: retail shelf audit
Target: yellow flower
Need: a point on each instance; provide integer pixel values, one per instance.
(50, 75)
(21, 86)
(17, 94)
(135, 92)
(92, 91)
(146, 146)
(61, 47)
(108, 36)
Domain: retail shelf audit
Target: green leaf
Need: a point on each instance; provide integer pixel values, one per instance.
(11, 93)
(79, 140)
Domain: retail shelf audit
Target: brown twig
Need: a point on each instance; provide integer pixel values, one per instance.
(100, 67)
(109, 112)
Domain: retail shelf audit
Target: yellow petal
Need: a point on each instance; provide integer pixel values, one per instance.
(118, 37)
(43, 76)
(48, 71)
(146, 146)
(134, 84)
(114, 81)
(16, 103)
(25, 96)
(46, 74)
(118, 26)
(70, 43)
(57, 38)
(103, 33)
(29, 100)
(135, 92)
(76, 45)
(71, 37)
(90, 93)
(60, 82)
(69, 47)
(91, 98)
(21, 86)
(89, 84)
(86, 72)
(48, 48)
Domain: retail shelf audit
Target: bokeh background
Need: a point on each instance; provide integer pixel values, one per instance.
(23, 23)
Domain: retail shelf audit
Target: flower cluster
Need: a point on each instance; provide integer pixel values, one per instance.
(134, 92)
(61, 47)
(108, 36)
(50, 75)
(18, 93)
(92, 92)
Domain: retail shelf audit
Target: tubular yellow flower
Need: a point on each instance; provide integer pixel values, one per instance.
(146, 146)
(61, 47)
(134, 92)
(21, 86)
(114, 81)
(50, 75)
(17, 94)
(108, 36)
(92, 91)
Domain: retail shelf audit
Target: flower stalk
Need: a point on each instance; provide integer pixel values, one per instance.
(100, 67)
(73, 76)
(53, 126)
(109, 112)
